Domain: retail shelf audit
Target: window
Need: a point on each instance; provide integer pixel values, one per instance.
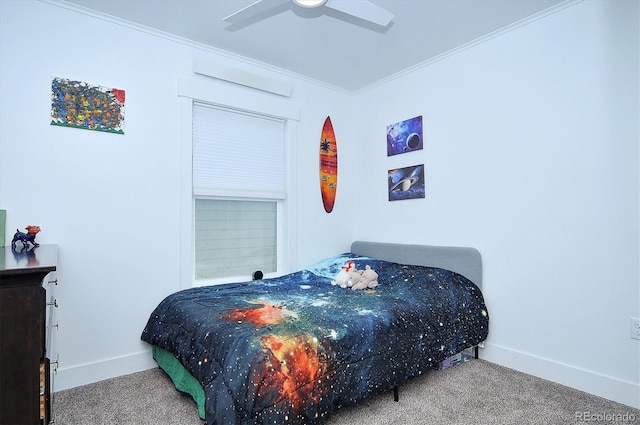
(234, 238)
(238, 191)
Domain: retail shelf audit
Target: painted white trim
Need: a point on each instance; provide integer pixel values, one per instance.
(190, 43)
(171, 37)
(229, 96)
(187, 273)
(472, 43)
(609, 387)
(88, 373)
(290, 213)
(239, 76)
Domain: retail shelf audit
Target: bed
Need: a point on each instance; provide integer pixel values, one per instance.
(296, 348)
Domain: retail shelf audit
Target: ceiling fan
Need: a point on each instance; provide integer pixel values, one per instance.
(362, 9)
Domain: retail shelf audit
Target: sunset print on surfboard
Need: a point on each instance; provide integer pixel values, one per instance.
(328, 165)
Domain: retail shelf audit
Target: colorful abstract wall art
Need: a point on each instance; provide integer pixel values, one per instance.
(406, 183)
(404, 136)
(82, 105)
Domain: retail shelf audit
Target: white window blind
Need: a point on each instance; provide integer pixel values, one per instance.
(237, 154)
(234, 238)
(238, 183)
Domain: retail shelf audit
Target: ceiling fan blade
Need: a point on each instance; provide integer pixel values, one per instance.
(252, 10)
(362, 9)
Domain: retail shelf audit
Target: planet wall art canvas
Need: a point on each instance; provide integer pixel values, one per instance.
(406, 183)
(82, 105)
(404, 136)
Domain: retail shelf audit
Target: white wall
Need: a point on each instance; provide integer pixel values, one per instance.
(112, 202)
(531, 154)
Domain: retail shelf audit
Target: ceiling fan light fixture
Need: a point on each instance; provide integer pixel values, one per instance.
(362, 9)
(310, 3)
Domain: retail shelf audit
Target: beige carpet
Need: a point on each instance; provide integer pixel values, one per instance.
(477, 392)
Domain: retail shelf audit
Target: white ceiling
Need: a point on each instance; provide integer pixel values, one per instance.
(322, 43)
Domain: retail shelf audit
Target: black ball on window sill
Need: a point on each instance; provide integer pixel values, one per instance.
(257, 275)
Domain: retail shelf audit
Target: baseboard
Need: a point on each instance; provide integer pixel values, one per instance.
(608, 387)
(88, 373)
(615, 389)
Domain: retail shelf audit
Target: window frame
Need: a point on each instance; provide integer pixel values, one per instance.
(253, 102)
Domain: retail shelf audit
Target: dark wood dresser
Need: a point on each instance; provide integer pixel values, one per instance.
(24, 367)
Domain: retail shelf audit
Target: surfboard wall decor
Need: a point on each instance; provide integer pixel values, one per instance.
(328, 165)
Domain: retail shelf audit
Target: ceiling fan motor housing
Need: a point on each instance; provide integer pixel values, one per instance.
(310, 3)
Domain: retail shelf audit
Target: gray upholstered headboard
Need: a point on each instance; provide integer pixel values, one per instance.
(462, 260)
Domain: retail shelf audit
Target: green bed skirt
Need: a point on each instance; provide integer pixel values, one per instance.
(180, 376)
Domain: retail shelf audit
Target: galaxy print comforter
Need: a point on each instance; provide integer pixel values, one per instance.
(291, 350)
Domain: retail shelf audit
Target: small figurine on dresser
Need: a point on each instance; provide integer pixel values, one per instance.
(26, 238)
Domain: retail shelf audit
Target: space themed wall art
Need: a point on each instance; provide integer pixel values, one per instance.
(406, 183)
(82, 105)
(404, 136)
